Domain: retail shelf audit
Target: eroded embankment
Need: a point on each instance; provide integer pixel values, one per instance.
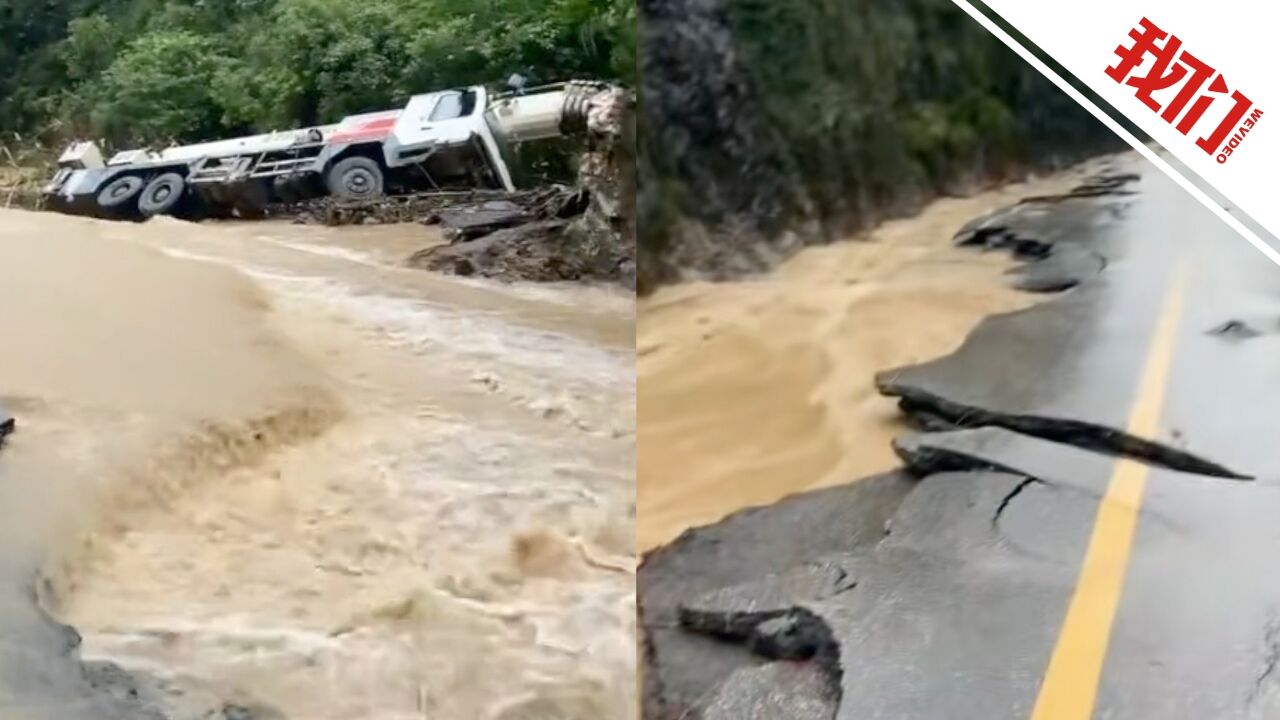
(268, 471)
(989, 510)
(753, 390)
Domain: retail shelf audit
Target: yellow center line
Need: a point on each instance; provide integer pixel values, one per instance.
(1070, 684)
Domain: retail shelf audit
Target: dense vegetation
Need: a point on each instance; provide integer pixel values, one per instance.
(134, 71)
(824, 116)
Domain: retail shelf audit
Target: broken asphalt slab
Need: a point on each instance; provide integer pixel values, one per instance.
(842, 584)
(683, 668)
(1022, 371)
(1046, 452)
(854, 597)
(1058, 250)
(978, 558)
(956, 610)
(471, 221)
(905, 615)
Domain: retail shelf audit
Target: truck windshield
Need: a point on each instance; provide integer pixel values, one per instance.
(453, 105)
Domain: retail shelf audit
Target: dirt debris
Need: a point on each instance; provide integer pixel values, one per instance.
(555, 233)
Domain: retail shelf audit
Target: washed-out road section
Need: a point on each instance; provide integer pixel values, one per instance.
(1082, 525)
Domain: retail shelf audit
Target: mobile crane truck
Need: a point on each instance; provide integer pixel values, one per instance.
(458, 139)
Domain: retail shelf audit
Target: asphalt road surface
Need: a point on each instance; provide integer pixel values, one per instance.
(1085, 527)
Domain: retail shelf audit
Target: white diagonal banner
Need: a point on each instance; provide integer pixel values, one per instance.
(1191, 75)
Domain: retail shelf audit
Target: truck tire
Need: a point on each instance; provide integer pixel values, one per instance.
(162, 195)
(119, 193)
(354, 178)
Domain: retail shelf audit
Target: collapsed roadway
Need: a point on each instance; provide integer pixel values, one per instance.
(940, 589)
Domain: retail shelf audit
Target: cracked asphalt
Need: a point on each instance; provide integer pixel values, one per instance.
(1084, 527)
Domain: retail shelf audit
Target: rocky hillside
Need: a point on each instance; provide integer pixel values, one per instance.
(769, 124)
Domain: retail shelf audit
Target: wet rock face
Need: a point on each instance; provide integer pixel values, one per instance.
(756, 144)
(706, 150)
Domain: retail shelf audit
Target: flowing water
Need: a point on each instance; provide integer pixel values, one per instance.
(265, 462)
(761, 388)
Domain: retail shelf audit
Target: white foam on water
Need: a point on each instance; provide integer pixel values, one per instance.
(372, 572)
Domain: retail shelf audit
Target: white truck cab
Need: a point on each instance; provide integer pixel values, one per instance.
(444, 140)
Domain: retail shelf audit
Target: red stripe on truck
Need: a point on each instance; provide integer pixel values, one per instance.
(368, 130)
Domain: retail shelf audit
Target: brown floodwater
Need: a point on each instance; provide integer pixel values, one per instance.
(753, 390)
(263, 461)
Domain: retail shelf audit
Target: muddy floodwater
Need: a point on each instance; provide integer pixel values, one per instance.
(758, 389)
(265, 462)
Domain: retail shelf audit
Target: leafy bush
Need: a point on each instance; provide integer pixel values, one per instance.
(153, 70)
(826, 114)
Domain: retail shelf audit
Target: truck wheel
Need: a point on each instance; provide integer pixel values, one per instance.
(355, 178)
(162, 194)
(119, 192)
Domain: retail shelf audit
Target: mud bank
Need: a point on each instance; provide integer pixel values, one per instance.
(756, 389)
(264, 469)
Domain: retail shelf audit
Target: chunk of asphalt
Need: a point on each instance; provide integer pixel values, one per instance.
(769, 618)
(1029, 455)
(1065, 268)
(915, 618)
(943, 562)
(979, 229)
(746, 547)
(1048, 267)
(1063, 431)
(730, 552)
(1098, 186)
(1234, 330)
(787, 634)
(998, 237)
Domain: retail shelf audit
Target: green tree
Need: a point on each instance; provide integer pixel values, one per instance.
(161, 87)
(148, 70)
(90, 47)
